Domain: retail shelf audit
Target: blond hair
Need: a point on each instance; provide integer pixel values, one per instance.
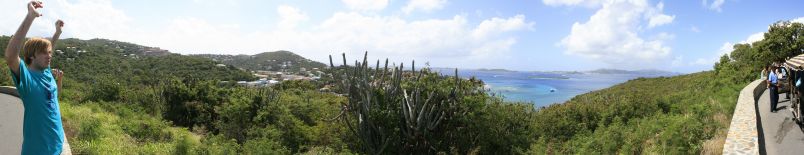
(34, 46)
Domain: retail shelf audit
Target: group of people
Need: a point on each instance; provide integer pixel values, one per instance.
(773, 74)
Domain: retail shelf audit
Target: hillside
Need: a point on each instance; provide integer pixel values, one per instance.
(177, 107)
(684, 114)
(116, 103)
(267, 61)
(90, 60)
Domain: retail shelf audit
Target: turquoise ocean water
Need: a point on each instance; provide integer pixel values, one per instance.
(544, 88)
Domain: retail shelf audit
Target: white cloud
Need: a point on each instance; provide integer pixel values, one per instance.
(93, 18)
(613, 34)
(366, 5)
(727, 48)
(656, 17)
(499, 25)
(715, 5)
(83, 18)
(441, 41)
(660, 20)
(424, 5)
(216, 3)
(13, 12)
(195, 35)
(798, 20)
(289, 17)
(389, 35)
(586, 3)
(448, 41)
(754, 38)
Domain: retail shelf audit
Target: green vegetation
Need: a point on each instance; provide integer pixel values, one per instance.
(119, 100)
(659, 115)
(267, 61)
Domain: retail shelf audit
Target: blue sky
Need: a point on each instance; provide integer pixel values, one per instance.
(682, 36)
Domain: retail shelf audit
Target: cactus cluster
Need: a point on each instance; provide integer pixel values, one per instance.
(376, 96)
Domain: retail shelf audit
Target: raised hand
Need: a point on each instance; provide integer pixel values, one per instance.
(59, 25)
(32, 6)
(57, 74)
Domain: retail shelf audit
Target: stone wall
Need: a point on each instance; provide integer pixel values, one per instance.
(743, 134)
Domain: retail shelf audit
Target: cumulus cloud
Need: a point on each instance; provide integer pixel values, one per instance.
(656, 18)
(84, 18)
(93, 18)
(586, 3)
(433, 38)
(715, 5)
(423, 5)
(498, 25)
(660, 20)
(754, 38)
(289, 16)
(13, 12)
(216, 2)
(352, 32)
(798, 20)
(366, 5)
(454, 40)
(726, 48)
(615, 33)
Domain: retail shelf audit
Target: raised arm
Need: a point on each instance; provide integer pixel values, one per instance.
(59, 25)
(57, 73)
(15, 44)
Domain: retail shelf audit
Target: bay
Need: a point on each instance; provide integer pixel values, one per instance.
(545, 88)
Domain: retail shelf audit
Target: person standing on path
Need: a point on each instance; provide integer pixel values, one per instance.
(773, 82)
(38, 86)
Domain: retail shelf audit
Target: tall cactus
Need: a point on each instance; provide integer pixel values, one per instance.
(375, 97)
(423, 114)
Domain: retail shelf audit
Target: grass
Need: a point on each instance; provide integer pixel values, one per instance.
(92, 128)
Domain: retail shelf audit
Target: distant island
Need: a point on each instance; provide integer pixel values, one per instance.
(652, 72)
(638, 72)
(495, 70)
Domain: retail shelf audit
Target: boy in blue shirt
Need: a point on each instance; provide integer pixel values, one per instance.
(37, 85)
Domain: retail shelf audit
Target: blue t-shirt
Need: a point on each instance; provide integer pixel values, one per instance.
(41, 129)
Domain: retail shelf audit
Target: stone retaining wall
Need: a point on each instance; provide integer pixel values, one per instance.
(743, 134)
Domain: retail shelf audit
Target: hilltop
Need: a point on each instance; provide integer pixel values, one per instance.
(267, 61)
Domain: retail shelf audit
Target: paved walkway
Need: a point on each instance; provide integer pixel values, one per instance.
(11, 113)
(10, 124)
(780, 134)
